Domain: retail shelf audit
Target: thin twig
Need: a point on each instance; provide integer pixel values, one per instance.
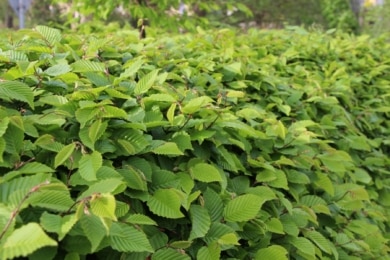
(17, 210)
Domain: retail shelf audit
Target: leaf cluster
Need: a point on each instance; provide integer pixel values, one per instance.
(264, 145)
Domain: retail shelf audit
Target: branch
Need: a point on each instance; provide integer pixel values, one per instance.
(17, 210)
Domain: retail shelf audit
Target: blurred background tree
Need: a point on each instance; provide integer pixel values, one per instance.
(353, 16)
(376, 18)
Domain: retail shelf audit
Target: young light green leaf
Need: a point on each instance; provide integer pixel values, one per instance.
(132, 69)
(103, 205)
(205, 172)
(58, 69)
(171, 113)
(336, 161)
(165, 203)
(196, 104)
(3, 125)
(228, 239)
(2, 149)
(140, 219)
(106, 185)
(24, 241)
(168, 148)
(89, 164)
(234, 67)
(96, 130)
(64, 154)
(280, 181)
(272, 252)
(51, 35)
(146, 82)
(87, 66)
(275, 226)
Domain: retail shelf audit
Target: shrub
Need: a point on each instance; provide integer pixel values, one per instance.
(265, 145)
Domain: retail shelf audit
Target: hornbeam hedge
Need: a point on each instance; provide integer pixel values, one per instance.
(215, 145)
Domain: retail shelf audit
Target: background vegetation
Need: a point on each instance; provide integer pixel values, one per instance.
(347, 15)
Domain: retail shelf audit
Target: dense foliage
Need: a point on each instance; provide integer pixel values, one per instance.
(265, 145)
(187, 14)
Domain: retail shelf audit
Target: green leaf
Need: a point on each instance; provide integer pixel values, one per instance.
(146, 82)
(58, 70)
(323, 182)
(113, 112)
(125, 238)
(94, 230)
(280, 181)
(2, 149)
(214, 204)
(15, 90)
(303, 245)
(234, 67)
(48, 142)
(56, 200)
(130, 70)
(336, 161)
(35, 167)
(96, 130)
(196, 104)
(243, 208)
(319, 240)
(205, 172)
(24, 241)
(64, 154)
(169, 254)
(211, 252)
(228, 239)
(160, 98)
(89, 164)
(87, 66)
(165, 203)
(183, 141)
(106, 185)
(182, 244)
(140, 219)
(168, 148)
(200, 220)
(134, 178)
(103, 205)
(272, 252)
(56, 223)
(3, 125)
(47, 119)
(275, 226)
(171, 113)
(51, 35)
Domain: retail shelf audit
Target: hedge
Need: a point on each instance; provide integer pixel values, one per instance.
(214, 145)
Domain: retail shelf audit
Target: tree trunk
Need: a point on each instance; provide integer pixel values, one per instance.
(356, 6)
(9, 18)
